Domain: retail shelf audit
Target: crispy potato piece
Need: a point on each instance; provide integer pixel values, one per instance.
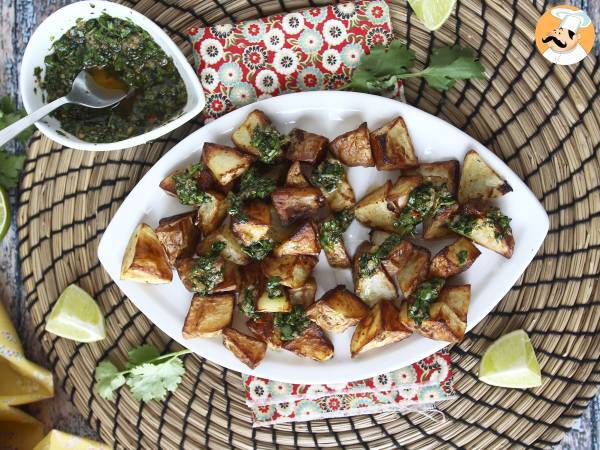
(478, 180)
(381, 327)
(372, 210)
(313, 344)
(145, 259)
(184, 268)
(264, 328)
(297, 203)
(295, 177)
(233, 250)
(397, 258)
(414, 271)
(454, 259)
(212, 213)
(273, 304)
(436, 227)
(208, 315)
(445, 171)
(225, 163)
(231, 274)
(342, 196)
(204, 180)
(397, 196)
(242, 135)
(306, 147)
(293, 270)
(247, 349)
(231, 278)
(354, 148)
(305, 294)
(392, 147)
(279, 231)
(337, 310)
(305, 241)
(337, 255)
(447, 315)
(376, 287)
(178, 235)
(258, 224)
(251, 277)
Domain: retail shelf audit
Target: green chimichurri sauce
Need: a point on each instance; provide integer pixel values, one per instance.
(332, 229)
(119, 54)
(292, 324)
(187, 189)
(369, 262)
(327, 175)
(205, 275)
(425, 294)
(269, 142)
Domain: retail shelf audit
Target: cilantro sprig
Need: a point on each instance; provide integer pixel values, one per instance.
(11, 165)
(380, 70)
(148, 374)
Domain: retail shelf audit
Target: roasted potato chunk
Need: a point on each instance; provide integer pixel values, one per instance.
(374, 287)
(233, 250)
(444, 171)
(313, 344)
(337, 255)
(242, 135)
(479, 180)
(296, 203)
(380, 327)
(342, 196)
(178, 235)
(225, 163)
(306, 147)
(247, 349)
(295, 177)
(397, 196)
(305, 241)
(447, 315)
(294, 270)
(305, 294)
(231, 278)
(208, 315)
(454, 259)
(204, 181)
(264, 328)
(145, 259)
(354, 148)
(436, 227)
(414, 271)
(257, 225)
(372, 210)
(184, 268)
(337, 310)
(211, 213)
(392, 147)
(281, 303)
(397, 258)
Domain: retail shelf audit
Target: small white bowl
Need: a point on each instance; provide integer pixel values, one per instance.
(59, 23)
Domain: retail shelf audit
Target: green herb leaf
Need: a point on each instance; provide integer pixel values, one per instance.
(369, 262)
(292, 324)
(425, 294)
(10, 168)
(327, 175)
(140, 355)
(269, 142)
(247, 306)
(153, 381)
(108, 379)
(260, 249)
(274, 288)
(9, 114)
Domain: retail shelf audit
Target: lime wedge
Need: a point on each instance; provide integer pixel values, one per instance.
(510, 362)
(76, 316)
(433, 13)
(4, 212)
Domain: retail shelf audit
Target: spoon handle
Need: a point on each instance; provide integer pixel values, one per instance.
(12, 130)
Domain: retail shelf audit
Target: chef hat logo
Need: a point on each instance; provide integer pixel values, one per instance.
(564, 35)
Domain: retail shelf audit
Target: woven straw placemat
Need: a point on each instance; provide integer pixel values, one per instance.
(542, 119)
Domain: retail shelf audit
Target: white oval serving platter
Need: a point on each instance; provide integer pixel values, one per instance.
(328, 113)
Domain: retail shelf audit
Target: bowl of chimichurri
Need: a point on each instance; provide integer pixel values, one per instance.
(121, 48)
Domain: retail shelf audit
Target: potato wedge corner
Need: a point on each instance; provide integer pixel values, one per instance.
(381, 327)
(249, 350)
(373, 288)
(295, 177)
(145, 259)
(445, 171)
(242, 135)
(208, 315)
(212, 213)
(305, 241)
(225, 163)
(256, 224)
(178, 235)
(306, 147)
(233, 250)
(305, 294)
(313, 344)
(414, 271)
(297, 203)
(294, 270)
(372, 210)
(354, 147)
(337, 310)
(454, 258)
(479, 180)
(264, 328)
(392, 147)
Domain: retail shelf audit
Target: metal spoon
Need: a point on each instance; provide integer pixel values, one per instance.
(85, 92)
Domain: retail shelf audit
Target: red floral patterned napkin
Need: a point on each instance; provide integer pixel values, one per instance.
(315, 49)
(417, 387)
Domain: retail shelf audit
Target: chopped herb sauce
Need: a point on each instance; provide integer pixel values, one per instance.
(186, 187)
(425, 294)
(252, 186)
(260, 249)
(500, 221)
(331, 230)
(116, 52)
(424, 201)
(369, 262)
(247, 306)
(291, 324)
(269, 142)
(462, 257)
(205, 275)
(274, 288)
(327, 175)
(463, 225)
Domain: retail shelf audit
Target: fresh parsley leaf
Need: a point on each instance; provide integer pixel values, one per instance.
(153, 381)
(291, 324)
(9, 114)
(140, 355)
(10, 168)
(108, 379)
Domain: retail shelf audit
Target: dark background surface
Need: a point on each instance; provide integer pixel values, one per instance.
(18, 19)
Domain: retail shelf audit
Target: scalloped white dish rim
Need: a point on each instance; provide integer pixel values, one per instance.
(329, 113)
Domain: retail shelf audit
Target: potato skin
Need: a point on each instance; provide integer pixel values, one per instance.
(398, 194)
(354, 147)
(257, 226)
(414, 271)
(247, 349)
(242, 135)
(208, 315)
(454, 258)
(440, 170)
(305, 241)
(296, 203)
(337, 255)
(373, 212)
(380, 327)
(145, 259)
(178, 235)
(294, 270)
(479, 181)
(337, 310)
(374, 288)
(295, 177)
(204, 180)
(306, 147)
(313, 344)
(392, 147)
(264, 328)
(225, 163)
(436, 227)
(211, 214)
(305, 294)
